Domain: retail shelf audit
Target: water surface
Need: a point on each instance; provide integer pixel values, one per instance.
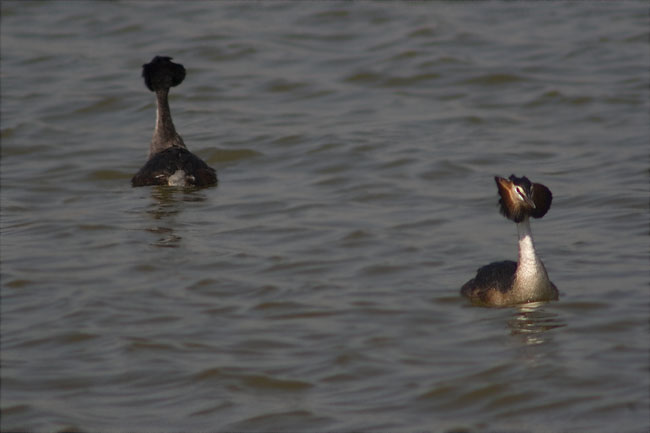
(316, 287)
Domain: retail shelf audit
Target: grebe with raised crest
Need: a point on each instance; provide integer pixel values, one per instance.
(170, 162)
(507, 282)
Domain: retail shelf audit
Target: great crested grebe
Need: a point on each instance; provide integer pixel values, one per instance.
(509, 283)
(170, 163)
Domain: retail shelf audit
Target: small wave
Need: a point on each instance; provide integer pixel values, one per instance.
(494, 79)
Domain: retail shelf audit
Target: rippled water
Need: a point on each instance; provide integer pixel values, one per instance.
(316, 287)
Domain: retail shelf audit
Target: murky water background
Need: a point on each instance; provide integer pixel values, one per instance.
(316, 288)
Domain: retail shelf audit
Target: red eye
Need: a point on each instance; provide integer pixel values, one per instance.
(520, 191)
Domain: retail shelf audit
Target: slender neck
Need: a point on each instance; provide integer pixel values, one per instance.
(164, 135)
(527, 254)
(530, 269)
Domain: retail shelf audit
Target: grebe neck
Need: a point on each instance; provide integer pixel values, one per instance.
(531, 276)
(527, 255)
(164, 135)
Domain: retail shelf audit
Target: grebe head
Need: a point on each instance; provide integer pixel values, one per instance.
(520, 198)
(161, 73)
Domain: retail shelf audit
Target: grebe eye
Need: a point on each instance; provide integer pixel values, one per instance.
(520, 191)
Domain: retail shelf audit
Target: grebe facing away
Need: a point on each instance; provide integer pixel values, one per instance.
(509, 283)
(170, 163)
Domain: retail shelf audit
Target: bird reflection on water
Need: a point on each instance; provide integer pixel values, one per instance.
(532, 325)
(166, 204)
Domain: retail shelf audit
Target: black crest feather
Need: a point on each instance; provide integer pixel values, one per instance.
(161, 73)
(542, 197)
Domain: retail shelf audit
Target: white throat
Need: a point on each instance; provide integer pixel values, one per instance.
(527, 254)
(531, 276)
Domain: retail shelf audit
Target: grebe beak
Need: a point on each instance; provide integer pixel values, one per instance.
(503, 183)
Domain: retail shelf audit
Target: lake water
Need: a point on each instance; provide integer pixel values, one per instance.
(316, 288)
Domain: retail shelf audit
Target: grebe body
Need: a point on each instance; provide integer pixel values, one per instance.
(507, 282)
(170, 162)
